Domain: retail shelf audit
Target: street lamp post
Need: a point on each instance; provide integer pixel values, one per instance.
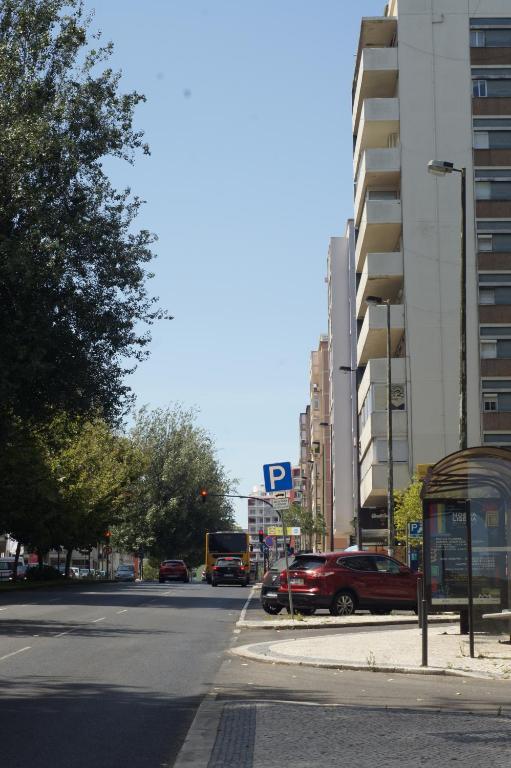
(377, 300)
(331, 521)
(349, 369)
(442, 168)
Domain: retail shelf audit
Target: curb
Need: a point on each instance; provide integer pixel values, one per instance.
(273, 657)
(364, 622)
(200, 739)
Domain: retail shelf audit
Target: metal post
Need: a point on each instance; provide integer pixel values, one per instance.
(390, 467)
(323, 505)
(289, 592)
(463, 316)
(468, 519)
(332, 532)
(424, 611)
(420, 592)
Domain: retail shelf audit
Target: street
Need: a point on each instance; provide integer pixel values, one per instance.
(109, 674)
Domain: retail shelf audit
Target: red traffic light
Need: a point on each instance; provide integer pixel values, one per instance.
(261, 535)
(204, 495)
(107, 534)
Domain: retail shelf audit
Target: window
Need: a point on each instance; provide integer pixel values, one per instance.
(492, 140)
(479, 88)
(488, 350)
(494, 278)
(486, 296)
(493, 190)
(490, 403)
(496, 331)
(385, 565)
(357, 563)
(496, 385)
(484, 243)
(496, 438)
(477, 38)
(315, 403)
(307, 563)
(481, 140)
(490, 38)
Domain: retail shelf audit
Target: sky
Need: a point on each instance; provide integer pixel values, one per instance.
(248, 117)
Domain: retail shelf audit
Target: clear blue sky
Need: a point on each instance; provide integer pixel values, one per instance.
(248, 119)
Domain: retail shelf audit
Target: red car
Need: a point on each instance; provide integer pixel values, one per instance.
(345, 581)
(174, 570)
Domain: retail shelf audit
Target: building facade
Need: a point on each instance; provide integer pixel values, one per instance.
(432, 81)
(320, 445)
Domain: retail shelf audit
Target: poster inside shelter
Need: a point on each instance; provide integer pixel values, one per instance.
(445, 547)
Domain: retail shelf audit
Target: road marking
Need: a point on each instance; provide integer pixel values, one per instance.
(170, 592)
(249, 598)
(7, 655)
(68, 632)
(4, 609)
(123, 610)
(95, 621)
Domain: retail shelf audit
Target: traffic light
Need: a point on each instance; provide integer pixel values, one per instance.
(261, 536)
(204, 495)
(107, 535)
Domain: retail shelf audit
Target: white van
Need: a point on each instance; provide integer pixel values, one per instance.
(7, 568)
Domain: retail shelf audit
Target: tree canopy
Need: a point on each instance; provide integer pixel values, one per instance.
(74, 306)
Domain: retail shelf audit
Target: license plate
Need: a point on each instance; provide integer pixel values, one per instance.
(296, 582)
(271, 594)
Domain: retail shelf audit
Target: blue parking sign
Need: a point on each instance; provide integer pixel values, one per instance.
(414, 529)
(278, 477)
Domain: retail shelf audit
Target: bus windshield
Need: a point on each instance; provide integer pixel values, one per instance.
(226, 543)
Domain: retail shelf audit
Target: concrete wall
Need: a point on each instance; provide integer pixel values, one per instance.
(435, 113)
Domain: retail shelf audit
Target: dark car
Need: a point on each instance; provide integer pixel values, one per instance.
(124, 572)
(174, 570)
(270, 588)
(345, 581)
(229, 570)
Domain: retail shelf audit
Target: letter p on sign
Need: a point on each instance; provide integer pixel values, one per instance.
(278, 477)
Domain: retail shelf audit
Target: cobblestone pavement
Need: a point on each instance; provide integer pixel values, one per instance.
(270, 735)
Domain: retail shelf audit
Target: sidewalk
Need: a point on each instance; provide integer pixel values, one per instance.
(391, 650)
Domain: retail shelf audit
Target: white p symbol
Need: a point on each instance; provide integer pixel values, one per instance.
(277, 472)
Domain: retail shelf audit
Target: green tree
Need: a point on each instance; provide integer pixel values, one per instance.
(73, 300)
(311, 527)
(96, 471)
(166, 514)
(407, 507)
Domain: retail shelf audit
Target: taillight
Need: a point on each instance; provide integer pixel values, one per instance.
(216, 567)
(242, 567)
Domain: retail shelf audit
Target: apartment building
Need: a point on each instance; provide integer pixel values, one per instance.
(432, 80)
(320, 465)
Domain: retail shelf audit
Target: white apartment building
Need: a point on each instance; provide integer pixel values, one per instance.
(432, 80)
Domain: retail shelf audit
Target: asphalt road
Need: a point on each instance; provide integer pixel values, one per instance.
(108, 675)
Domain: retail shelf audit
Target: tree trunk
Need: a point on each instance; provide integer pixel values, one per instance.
(69, 555)
(16, 560)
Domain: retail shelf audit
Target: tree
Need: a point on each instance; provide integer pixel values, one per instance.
(407, 507)
(166, 514)
(73, 297)
(310, 526)
(96, 470)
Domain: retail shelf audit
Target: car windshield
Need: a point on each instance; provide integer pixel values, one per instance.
(279, 565)
(308, 563)
(125, 568)
(172, 562)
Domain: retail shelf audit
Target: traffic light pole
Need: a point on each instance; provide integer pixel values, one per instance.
(204, 495)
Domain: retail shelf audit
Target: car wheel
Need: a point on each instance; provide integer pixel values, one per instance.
(272, 609)
(343, 604)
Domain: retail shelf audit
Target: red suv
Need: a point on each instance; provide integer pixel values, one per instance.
(345, 581)
(175, 570)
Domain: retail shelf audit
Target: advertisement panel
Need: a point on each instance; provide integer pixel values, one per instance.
(445, 552)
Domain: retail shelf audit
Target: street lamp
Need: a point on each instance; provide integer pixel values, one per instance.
(349, 369)
(376, 301)
(442, 168)
(327, 424)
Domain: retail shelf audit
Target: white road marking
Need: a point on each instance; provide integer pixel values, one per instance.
(95, 621)
(123, 610)
(170, 592)
(7, 655)
(68, 632)
(244, 609)
(4, 609)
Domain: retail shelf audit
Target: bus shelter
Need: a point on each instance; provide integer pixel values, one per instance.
(467, 531)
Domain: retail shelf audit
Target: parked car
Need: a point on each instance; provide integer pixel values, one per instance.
(229, 570)
(7, 569)
(270, 587)
(174, 570)
(125, 572)
(87, 573)
(346, 581)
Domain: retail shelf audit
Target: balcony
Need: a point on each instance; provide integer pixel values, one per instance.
(382, 276)
(376, 427)
(378, 126)
(377, 76)
(379, 170)
(373, 485)
(379, 230)
(372, 340)
(376, 373)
